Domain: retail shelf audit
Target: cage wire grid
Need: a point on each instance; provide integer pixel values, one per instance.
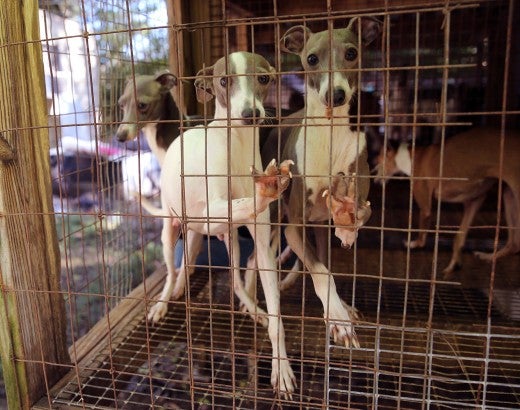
(425, 342)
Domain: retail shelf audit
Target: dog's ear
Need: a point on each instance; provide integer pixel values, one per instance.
(370, 28)
(166, 79)
(204, 85)
(294, 39)
(272, 72)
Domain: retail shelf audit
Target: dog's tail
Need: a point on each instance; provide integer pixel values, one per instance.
(149, 206)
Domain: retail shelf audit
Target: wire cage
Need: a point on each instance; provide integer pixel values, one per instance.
(428, 338)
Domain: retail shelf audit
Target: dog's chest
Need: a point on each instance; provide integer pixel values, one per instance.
(321, 153)
(232, 155)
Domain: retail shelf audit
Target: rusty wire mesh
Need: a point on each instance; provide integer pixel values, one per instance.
(426, 342)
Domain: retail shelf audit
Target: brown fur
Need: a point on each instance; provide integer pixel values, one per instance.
(473, 156)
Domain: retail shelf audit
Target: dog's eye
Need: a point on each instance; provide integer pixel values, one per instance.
(263, 79)
(313, 59)
(351, 54)
(223, 81)
(142, 106)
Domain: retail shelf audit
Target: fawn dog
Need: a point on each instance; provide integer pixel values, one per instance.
(470, 167)
(207, 188)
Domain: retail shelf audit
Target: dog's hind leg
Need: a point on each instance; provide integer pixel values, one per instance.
(338, 317)
(192, 246)
(292, 275)
(470, 210)
(247, 303)
(250, 275)
(512, 216)
(170, 234)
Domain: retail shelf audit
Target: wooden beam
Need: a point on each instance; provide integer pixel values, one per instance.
(89, 346)
(32, 310)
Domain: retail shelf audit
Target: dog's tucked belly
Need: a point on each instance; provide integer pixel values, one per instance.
(462, 191)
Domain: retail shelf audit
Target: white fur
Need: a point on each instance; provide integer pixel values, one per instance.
(207, 187)
(403, 160)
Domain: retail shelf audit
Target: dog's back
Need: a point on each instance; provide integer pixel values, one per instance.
(473, 155)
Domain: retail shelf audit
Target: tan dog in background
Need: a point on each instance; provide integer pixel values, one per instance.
(470, 167)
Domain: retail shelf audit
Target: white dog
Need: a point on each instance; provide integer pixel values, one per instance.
(207, 188)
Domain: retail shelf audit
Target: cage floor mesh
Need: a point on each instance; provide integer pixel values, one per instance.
(416, 350)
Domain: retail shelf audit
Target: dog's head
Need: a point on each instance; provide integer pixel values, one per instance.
(330, 58)
(393, 161)
(146, 102)
(240, 83)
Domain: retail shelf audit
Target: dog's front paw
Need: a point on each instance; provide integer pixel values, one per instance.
(157, 312)
(485, 256)
(258, 316)
(416, 244)
(274, 180)
(449, 271)
(282, 378)
(341, 323)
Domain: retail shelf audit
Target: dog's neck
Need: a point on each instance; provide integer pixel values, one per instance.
(168, 127)
(161, 134)
(154, 142)
(403, 159)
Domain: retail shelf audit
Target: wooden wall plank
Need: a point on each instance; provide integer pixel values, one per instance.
(32, 308)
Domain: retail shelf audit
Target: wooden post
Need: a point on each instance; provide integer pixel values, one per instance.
(32, 311)
(186, 56)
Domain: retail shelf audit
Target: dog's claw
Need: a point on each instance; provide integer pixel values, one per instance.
(282, 378)
(274, 180)
(344, 333)
(157, 312)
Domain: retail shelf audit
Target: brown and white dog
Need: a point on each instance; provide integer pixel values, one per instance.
(148, 105)
(327, 154)
(207, 189)
(470, 167)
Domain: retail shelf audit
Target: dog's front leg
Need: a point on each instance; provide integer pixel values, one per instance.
(268, 186)
(282, 376)
(322, 243)
(170, 234)
(470, 210)
(338, 316)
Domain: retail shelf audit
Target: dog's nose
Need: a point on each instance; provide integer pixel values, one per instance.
(250, 115)
(122, 135)
(338, 97)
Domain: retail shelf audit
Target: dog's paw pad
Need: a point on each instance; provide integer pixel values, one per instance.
(274, 180)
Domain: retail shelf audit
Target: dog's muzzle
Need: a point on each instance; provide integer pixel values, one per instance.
(125, 133)
(339, 97)
(251, 116)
